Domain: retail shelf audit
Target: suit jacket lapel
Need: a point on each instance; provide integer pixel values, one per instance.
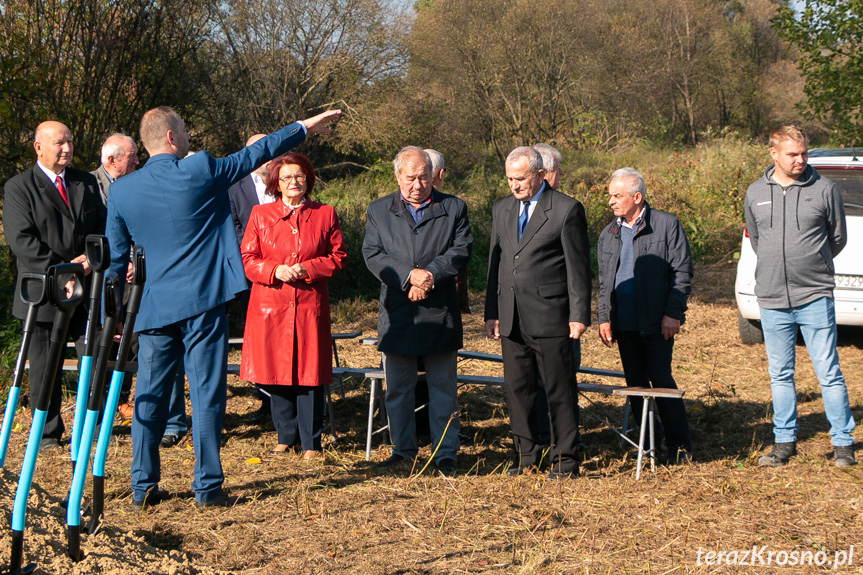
(75, 193)
(49, 192)
(248, 187)
(537, 218)
(510, 228)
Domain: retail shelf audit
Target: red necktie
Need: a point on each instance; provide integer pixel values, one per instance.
(62, 190)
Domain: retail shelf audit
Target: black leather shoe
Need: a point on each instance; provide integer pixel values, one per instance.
(221, 500)
(170, 440)
(447, 467)
(49, 443)
(391, 460)
(154, 496)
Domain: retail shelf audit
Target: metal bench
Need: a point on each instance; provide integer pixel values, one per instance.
(646, 433)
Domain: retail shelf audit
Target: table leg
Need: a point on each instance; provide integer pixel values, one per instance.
(371, 421)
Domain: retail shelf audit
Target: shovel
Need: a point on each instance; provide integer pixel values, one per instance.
(58, 276)
(98, 258)
(139, 276)
(33, 294)
(113, 301)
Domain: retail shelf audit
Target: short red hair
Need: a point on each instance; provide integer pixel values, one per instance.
(289, 159)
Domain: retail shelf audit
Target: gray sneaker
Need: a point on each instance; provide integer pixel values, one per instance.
(843, 456)
(779, 455)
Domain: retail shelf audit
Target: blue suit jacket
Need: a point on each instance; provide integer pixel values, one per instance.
(178, 210)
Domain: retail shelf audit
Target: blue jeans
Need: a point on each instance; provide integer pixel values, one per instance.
(817, 322)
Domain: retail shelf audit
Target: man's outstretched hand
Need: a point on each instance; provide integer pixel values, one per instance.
(317, 124)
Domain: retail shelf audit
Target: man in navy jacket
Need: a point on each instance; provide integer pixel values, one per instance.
(177, 208)
(644, 280)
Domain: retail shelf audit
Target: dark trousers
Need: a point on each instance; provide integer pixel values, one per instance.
(298, 414)
(550, 358)
(40, 341)
(647, 363)
(200, 343)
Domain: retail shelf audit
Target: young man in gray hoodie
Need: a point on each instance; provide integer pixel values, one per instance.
(796, 223)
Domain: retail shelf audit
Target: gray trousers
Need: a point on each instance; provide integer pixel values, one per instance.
(401, 374)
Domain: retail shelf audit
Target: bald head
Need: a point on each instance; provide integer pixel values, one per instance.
(262, 169)
(53, 145)
(119, 155)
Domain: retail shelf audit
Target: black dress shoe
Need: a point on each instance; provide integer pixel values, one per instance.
(171, 439)
(391, 460)
(153, 496)
(221, 500)
(447, 467)
(49, 443)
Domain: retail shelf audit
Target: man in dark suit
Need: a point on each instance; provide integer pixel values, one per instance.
(248, 193)
(417, 239)
(119, 157)
(177, 209)
(245, 195)
(538, 299)
(48, 212)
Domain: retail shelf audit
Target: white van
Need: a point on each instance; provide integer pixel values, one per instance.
(845, 167)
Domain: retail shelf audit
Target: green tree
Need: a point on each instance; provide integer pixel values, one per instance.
(277, 61)
(96, 65)
(828, 35)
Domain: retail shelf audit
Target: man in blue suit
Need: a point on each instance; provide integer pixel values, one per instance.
(178, 210)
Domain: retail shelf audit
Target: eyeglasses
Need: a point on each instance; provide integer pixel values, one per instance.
(300, 178)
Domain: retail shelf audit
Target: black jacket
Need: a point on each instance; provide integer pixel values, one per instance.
(394, 245)
(546, 275)
(662, 270)
(42, 231)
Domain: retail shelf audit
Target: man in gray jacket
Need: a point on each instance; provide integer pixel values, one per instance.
(417, 239)
(119, 158)
(796, 223)
(644, 281)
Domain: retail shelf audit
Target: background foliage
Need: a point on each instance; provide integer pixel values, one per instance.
(678, 89)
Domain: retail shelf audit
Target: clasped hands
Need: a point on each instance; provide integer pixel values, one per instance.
(421, 282)
(292, 273)
(492, 329)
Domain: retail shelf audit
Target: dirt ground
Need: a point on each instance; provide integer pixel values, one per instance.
(341, 515)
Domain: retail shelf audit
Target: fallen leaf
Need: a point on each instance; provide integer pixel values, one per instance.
(253, 460)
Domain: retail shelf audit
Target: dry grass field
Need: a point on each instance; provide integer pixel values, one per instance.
(341, 515)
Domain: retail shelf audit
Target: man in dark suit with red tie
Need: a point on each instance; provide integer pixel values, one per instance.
(538, 300)
(48, 212)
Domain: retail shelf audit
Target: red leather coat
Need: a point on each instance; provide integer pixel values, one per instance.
(287, 337)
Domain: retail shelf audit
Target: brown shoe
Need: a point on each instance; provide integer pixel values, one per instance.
(126, 410)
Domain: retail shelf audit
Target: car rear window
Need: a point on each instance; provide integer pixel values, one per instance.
(850, 183)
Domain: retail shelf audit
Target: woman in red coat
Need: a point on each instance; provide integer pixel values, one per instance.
(290, 247)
